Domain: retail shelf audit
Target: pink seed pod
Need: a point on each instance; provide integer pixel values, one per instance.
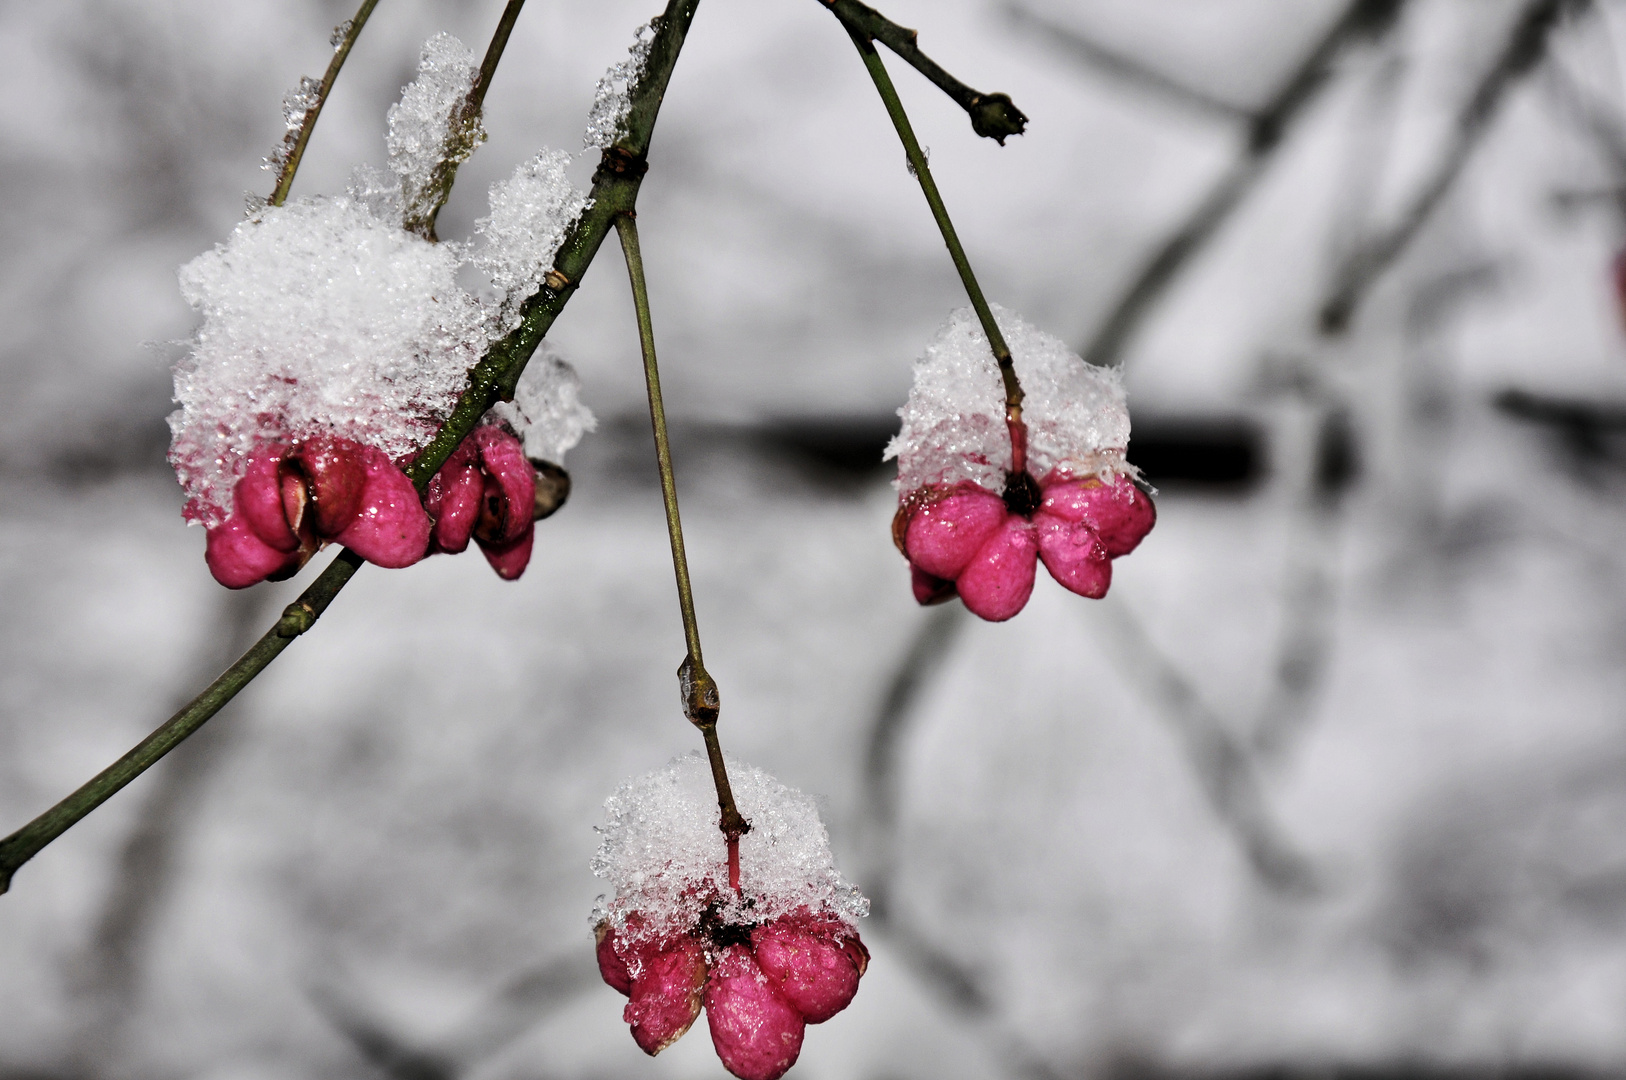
(999, 579)
(391, 528)
(943, 535)
(1073, 554)
(238, 558)
(756, 1032)
(808, 964)
(1119, 512)
(335, 474)
(453, 499)
(487, 492)
(612, 966)
(665, 995)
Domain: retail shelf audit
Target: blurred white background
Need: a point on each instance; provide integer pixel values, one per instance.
(1334, 782)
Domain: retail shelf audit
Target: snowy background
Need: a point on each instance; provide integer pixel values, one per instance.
(1333, 782)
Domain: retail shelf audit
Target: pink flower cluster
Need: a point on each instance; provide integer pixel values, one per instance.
(760, 985)
(293, 498)
(967, 541)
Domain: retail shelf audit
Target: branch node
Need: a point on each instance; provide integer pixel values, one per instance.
(701, 702)
(618, 161)
(297, 618)
(554, 280)
(996, 117)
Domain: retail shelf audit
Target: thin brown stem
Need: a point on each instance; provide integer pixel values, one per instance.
(346, 37)
(701, 702)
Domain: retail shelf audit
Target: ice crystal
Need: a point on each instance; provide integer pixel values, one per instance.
(607, 120)
(296, 105)
(547, 411)
(340, 32)
(530, 213)
(318, 317)
(665, 856)
(427, 126)
(954, 422)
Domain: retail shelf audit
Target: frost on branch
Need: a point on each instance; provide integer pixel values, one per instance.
(428, 130)
(530, 214)
(665, 856)
(296, 105)
(607, 120)
(547, 411)
(319, 318)
(954, 423)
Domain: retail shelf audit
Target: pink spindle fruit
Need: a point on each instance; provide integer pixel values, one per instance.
(486, 491)
(983, 547)
(807, 963)
(756, 1032)
(666, 994)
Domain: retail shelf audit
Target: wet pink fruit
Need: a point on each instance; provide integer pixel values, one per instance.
(391, 528)
(983, 547)
(611, 964)
(809, 965)
(487, 492)
(238, 558)
(665, 995)
(757, 1033)
(291, 499)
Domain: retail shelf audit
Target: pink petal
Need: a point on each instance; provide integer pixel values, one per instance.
(391, 529)
(238, 558)
(454, 500)
(944, 535)
(336, 474)
(610, 964)
(1073, 554)
(756, 1032)
(511, 559)
(257, 499)
(666, 996)
(929, 590)
(810, 970)
(1120, 513)
(507, 510)
(999, 579)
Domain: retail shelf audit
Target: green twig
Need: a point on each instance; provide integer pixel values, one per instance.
(923, 173)
(615, 189)
(290, 165)
(700, 696)
(993, 116)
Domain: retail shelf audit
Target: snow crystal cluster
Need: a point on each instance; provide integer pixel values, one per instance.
(425, 127)
(296, 105)
(607, 120)
(530, 212)
(325, 316)
(547, 409)
(954, 422)
(664, 853)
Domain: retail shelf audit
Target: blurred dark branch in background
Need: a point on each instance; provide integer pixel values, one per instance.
(1124, 68)
(1268, 126)
(1525, 47)
(1222, 762)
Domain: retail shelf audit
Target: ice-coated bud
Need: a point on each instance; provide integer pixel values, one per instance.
(805, 960)
(994, 116)
(552, 488)
(238, 558)
(997, 583)
(666, 995)
(1119, 513)
(391, 529)
(756, 1032)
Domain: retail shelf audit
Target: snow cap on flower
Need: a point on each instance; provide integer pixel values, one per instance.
(320, 318)
(954, 422)
(664, 854)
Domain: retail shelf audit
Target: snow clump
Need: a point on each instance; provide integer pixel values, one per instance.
(319, 318)
(663, 852)
(530, 213)
(547, 409)
(607, 120)
(422, 133)
(954, 428)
